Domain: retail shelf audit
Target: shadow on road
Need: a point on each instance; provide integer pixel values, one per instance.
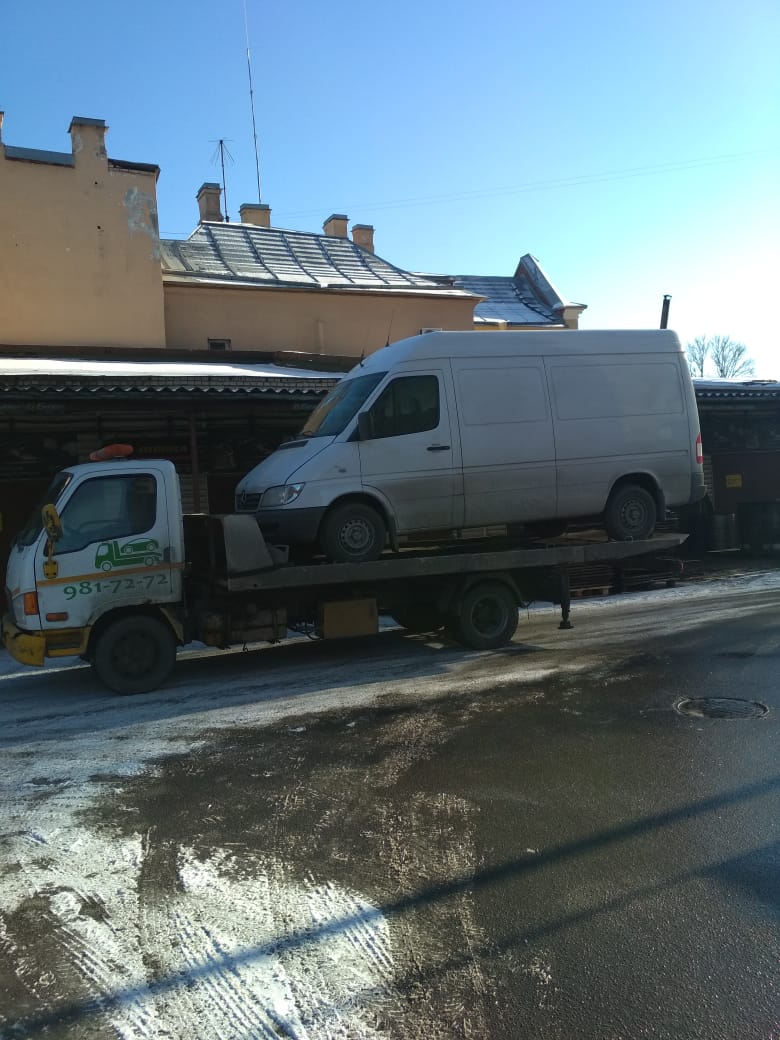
(764, 860)
(45, 705)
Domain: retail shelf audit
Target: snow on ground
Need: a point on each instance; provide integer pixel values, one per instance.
(256, 956)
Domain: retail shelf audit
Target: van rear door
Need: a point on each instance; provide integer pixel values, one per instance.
(616, 415)
(411, 457)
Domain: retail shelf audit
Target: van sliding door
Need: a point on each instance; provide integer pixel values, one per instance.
(507, 440)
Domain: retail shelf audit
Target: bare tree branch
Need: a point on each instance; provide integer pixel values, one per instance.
(697, 353)
(730, 358)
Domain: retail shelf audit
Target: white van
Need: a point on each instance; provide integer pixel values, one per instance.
(448, 432)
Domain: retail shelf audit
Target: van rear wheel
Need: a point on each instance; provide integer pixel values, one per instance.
(134, 654)
(630, 514)
(353, 533)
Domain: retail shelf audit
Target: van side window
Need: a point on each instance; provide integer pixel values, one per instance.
(409, 404)
(107, 508)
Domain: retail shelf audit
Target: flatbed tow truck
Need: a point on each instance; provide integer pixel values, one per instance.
(110, 569)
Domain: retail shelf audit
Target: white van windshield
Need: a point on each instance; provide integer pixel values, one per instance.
(342, 404)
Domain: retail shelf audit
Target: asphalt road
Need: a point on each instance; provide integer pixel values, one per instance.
(398, 838)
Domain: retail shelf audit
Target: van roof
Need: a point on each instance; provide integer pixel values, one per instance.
(431, 345)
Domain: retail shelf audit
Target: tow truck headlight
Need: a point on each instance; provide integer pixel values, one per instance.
(281, 495)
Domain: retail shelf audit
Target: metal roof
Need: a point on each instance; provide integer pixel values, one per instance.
(270, 257)
(38, 155)
(507, 300)
(527, 298)
(67, 377)
(732, 390)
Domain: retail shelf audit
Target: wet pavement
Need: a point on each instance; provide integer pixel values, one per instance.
(533, 843)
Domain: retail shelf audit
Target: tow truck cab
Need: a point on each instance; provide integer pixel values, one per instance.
(120, 543)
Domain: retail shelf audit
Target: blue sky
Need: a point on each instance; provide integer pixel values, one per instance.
(634, 149)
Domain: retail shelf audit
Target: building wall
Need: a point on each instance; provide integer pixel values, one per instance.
(337, 323)
(79, 248)
(80, 267)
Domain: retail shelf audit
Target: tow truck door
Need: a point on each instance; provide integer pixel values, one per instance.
(115, 549)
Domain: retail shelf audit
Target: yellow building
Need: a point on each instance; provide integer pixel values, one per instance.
(82, 268)
(79, 247)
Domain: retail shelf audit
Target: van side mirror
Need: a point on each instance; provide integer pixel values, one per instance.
(52, 524)
(365, 426)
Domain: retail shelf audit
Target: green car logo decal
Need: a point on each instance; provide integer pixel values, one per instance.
(142, 551)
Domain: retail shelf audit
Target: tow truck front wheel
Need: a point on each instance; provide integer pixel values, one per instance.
(134, 654)
(486, 618)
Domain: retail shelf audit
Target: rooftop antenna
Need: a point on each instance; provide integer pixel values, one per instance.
(252, 101)
(222, 150)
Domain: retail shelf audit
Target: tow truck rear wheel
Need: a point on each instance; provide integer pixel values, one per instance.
(134, 654)
(486, 618)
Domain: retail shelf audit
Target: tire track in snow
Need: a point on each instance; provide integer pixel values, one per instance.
(157, 883)
(256, 955)
(71, 940)
(307, 941)
(98, 962)
(336, 955)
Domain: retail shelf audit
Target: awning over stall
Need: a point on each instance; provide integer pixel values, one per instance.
(21, 377)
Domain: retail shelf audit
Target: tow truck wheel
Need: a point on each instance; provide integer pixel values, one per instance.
(422, 617)
(353, 533)
(630, 514)
(134, 654)
(487, 617)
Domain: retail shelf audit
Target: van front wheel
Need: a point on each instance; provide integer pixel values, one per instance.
(630, 514)
(353, 533)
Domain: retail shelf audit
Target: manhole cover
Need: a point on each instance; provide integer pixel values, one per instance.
(721, 708)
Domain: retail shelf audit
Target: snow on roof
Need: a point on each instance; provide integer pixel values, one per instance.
(155, 369)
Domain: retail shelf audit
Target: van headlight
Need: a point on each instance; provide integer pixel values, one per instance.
(281, 495)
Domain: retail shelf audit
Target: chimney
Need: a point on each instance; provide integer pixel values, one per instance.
(208, 201)
(257, 213)
(336, 225)
(88, 140)
(2, 116)
(363, 236)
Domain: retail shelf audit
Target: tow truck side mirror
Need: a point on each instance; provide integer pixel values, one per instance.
(52, 524)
